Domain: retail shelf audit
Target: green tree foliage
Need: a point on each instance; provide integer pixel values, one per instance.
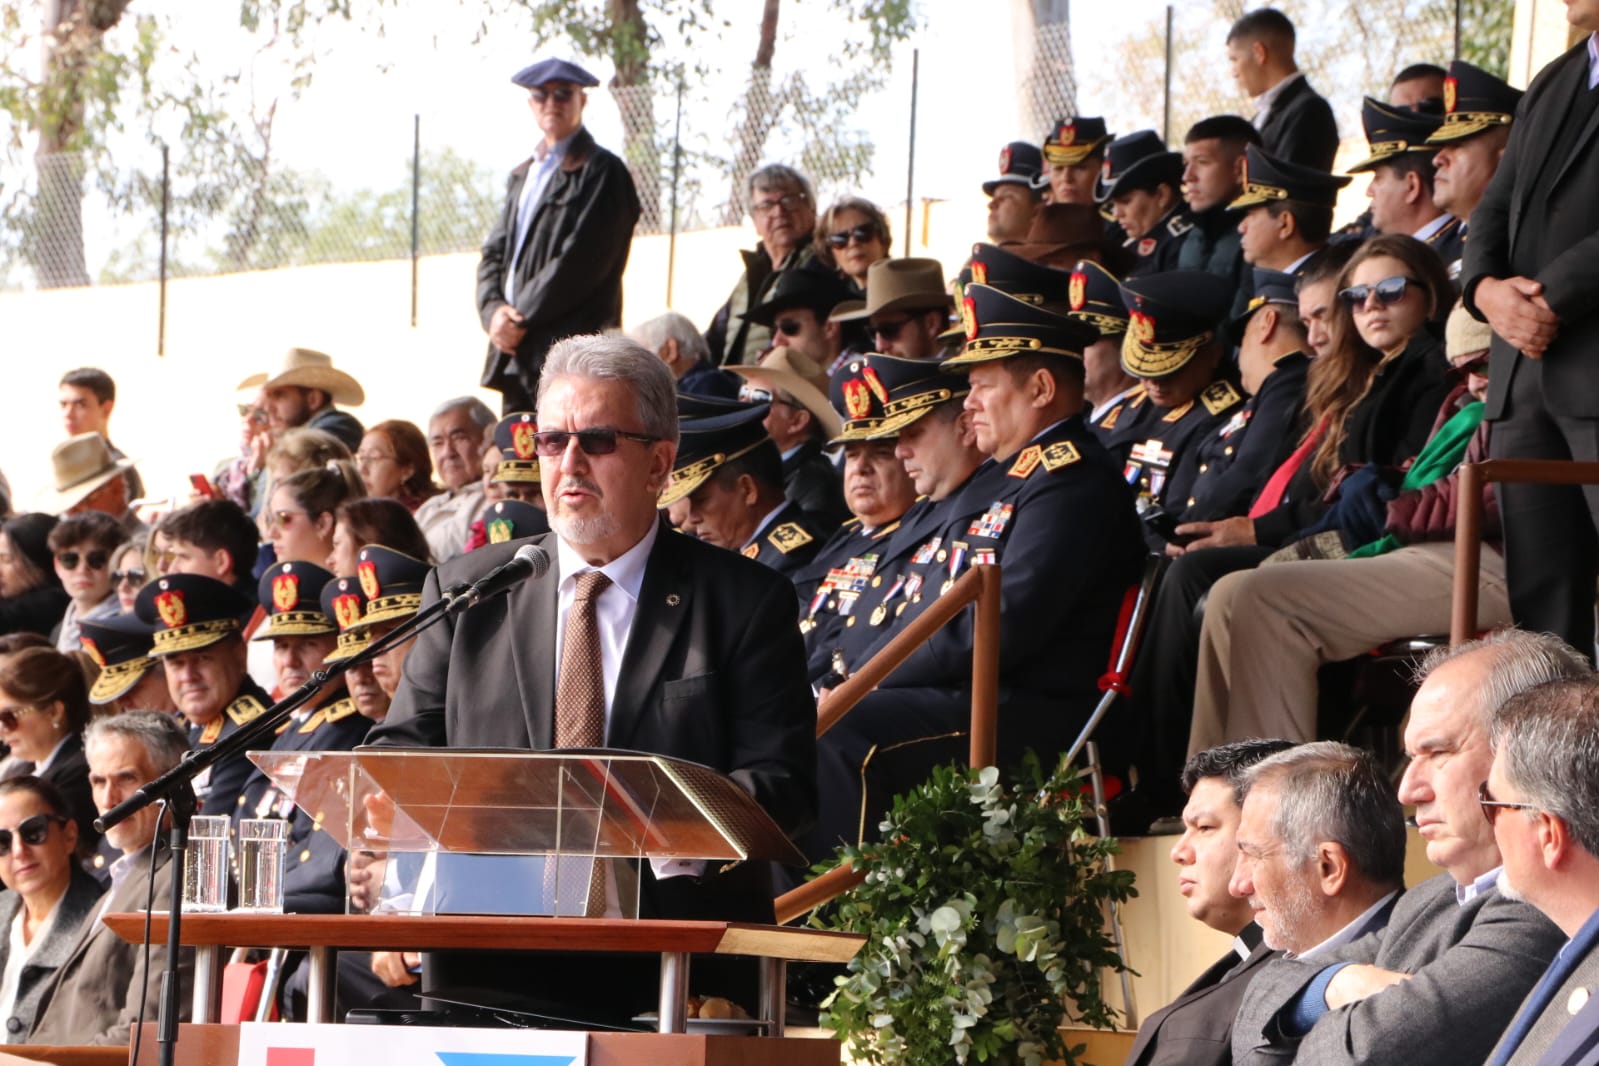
(1485, 35)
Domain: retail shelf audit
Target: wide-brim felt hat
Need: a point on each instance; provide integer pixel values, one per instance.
(309, 369)
(999, 326)
(814, 286)
(1171, 317)
(707, 444)
(120, 646)
(1058, 228)
(79, 465)
(1475, 101)
(909, 284)
(1394, 131)
(796, 374)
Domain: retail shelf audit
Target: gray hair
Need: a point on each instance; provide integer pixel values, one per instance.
(1547, 739)
(672, 326)
(1520, 660)
(1327, 791)
(776, 177)
(164, 740)
(478, 411)
(615, 358)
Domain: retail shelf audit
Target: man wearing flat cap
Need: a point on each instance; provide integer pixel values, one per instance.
(302, 391)
(552, 266)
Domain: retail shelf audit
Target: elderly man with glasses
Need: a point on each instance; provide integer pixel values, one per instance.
(784, 212)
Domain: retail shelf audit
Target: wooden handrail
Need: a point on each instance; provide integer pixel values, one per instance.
(979, 585)
(1468, 522)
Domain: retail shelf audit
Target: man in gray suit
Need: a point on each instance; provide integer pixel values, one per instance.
(1439, 983)
(1321, 848)
(1542, 799)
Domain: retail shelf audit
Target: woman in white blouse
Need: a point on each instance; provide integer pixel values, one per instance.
(51, 897)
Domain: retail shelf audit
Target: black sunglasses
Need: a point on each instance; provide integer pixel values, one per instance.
(789, 327)
(135, 577)
(1479, 365)
(1389, 291)
(1491, 807)
(97, 560)
(860, 234)
(888, 330)
(33, 831)
(561, 96)
(553, 442)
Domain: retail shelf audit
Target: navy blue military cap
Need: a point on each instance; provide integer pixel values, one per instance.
(698, 405)
(1170, 317)
(292, 595)
(1268, 179)
(190, 611)
(706, 444)
(813, 286)
(345, 603)
(548, 70)
(519, 459)
(1138, 160)
(1271, 287)
(858, 395)
(505, 520)
(999, 326)
(1394, 131)
(1096, 298)
(1022, 278)
(120, 646)
(1020, 163)
(392, 582)
(912, 388)
(1474, 101)
(1073, 139)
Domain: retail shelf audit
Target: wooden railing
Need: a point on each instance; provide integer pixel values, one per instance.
(979, 585)
(1468, 522)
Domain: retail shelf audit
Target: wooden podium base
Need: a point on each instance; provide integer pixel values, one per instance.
(218, 1045)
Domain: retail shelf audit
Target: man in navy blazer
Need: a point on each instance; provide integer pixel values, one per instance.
(1294, 121)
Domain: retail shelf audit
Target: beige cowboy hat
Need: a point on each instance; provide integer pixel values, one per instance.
(80, 465)
(798, 375)
(912, 284)
(310, 369)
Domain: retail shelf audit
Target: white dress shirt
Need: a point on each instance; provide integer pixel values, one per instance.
(1264, 102)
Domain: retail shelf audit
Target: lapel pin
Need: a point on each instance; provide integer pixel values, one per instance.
(1579, 997)
(673, 599)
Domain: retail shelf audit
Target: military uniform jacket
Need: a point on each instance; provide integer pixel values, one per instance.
(1236, 460)
(811, 480)
(1164, 464)
(788, 542)
(218, 786)
(1156, 251)
(1063, 527)
(832, 583)
(1450, 243)
(1117, 428)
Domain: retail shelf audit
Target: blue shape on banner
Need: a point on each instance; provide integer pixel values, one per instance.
(495, 1058)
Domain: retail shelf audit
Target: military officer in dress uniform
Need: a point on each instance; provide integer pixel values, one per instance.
(1039, 285)
(1401, 168)
(1141, 180)
(1285, 212)
(1074, 151)
(518, 471)
(198, 640)
(130, 678)
(1478, 112)
(1050, 508)
(1116, 400)
(1172, 345)
(729, 475)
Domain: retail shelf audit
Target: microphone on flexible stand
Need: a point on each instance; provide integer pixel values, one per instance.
(530, 561)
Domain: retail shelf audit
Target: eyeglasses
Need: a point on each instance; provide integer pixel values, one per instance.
(131, 577)
(1491, 807)
(284, 518)
(1476, 365)
(252, 412)
(372, 457)
(1388, 291)
(10, 715)
(97, 560)
(553, 442)
(562, 95)
(859, 234)
(789, 202)
(889, 330)
(789, 327)
(32, 831)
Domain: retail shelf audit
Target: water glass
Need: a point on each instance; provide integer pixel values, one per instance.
(263, 850)
(205, 872)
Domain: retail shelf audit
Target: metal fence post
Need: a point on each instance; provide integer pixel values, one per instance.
(910, 158)
(677, 170)
(166, 204)
(416, 209)
(1165, 127)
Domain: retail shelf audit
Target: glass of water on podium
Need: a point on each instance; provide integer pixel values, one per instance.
(205, 873)
(263, 849)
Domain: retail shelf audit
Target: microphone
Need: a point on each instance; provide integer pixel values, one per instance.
(530, 561)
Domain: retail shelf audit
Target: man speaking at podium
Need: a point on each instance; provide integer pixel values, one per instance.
(637, 638)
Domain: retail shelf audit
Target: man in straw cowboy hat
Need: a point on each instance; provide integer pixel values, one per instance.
(801, 422)
(906, 306)
(302, 392)
(86, 476)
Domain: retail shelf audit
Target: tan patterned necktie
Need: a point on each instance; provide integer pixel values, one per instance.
(580, 695)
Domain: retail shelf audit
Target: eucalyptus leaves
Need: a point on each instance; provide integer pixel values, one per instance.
(983, 912)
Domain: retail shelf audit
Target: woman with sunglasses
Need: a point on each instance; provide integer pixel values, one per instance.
(51, 897)
(44, 705)
(300, 512)
(31, 597)
(83, 546)
(850, 236)
(129, 571)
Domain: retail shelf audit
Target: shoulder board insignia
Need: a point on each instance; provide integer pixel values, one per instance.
(884, 531)
(1219, 397)
(245, 710)
(284, 728)
(1136, 398)
(1025, 462)
(750, 551)
(313, 723)
(1176, 413)
(339, 711)
(1178, 226)
(853, 523)
(788, 536)
(1059, 454)
(1109, 421)
(211, 732)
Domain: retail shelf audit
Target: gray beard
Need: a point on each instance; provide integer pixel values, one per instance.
(1506, 889)
(583, 530)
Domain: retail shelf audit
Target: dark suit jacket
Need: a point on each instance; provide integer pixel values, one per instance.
(1552, 238)
(1300, 127)
(569, 278)
(714, 672)
(73, 910)
(69, 773)
(1195, 1029)
(94, 994)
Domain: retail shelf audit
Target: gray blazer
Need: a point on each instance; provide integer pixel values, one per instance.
(1471, 965)
(83, 894)
(1557, 1013)
(1577, 1044)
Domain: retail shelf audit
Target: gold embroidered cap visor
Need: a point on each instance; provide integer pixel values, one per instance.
(388, 609)
(906, 410)
(685, 479)
(1462, 124)
(295, 624)
(193, 637)
(1154, 359)
(350, 644)
(116, 679)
